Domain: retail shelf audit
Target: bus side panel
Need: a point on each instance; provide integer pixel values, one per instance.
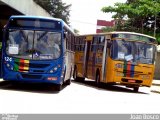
(69, 64)
(79, 62)
(147, 74)
(152, 75)
(110, 70)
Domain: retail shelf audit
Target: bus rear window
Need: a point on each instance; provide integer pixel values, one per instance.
(35, 23)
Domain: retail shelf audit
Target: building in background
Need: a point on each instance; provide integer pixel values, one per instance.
(104, 23)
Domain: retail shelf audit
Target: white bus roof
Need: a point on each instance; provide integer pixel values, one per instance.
(117, 32)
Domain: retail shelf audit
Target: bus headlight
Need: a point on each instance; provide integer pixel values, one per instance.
(118, 74)
(53, 70)
(10, 67)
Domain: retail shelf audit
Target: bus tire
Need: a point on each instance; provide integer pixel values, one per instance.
(68, 82)
(76, 77)
(75, 73)
(136, 89)
(58, 87)
(97, 78)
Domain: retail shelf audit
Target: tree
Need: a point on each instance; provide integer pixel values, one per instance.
(56, 8)
(108, 29)
(144, 13)
(76, 31)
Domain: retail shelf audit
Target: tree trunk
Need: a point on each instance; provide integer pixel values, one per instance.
(142, 25)
(155, 26)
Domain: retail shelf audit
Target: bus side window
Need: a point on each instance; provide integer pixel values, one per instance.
(69, 41)
(72, 43)
(109, 43)
(83, 46)
(77, 44)
(100, 44)
(94, 44)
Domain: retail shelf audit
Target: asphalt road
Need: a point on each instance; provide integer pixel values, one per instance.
(79, 97)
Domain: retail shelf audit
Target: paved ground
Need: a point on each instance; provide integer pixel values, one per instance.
(155, 86)
(79, 97)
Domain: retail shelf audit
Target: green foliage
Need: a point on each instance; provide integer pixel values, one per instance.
(108, 29)
(141, 16)
(76, 31)
(138, 8)
(158, 37)
(56, 8)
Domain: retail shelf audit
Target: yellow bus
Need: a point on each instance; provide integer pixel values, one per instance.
(124, 58)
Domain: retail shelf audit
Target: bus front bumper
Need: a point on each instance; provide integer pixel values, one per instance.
(34, 78)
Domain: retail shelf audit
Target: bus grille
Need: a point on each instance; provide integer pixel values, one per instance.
(28, 76)
(32, 65)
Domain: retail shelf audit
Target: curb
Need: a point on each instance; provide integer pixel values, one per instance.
(155, 88)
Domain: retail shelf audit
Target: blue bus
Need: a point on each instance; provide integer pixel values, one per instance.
(38, 49)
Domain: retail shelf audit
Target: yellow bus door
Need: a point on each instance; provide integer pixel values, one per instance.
(104, 62)
(86, 58)
(91, 61)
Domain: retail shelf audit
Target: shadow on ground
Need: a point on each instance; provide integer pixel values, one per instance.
(155, 91)
(29, 87)
(155, 84)
(113, 88)
(50, 89)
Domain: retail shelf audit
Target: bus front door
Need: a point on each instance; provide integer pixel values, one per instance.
(104, 61)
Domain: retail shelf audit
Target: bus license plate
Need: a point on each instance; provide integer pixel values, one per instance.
(131, 81)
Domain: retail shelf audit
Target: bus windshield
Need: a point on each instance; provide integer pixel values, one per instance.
(31, 44)
(133, 51)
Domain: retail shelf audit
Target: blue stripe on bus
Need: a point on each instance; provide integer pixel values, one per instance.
(132, 70)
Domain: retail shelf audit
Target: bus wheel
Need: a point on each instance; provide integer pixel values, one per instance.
(97, 79)
(68, 82)
(136, 89)
(58, 87)
(75, 74)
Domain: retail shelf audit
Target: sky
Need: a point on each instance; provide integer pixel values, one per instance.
(84, 14)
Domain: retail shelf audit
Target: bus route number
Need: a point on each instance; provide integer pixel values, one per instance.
(8, 59)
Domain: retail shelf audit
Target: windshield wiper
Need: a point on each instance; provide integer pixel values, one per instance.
(42, 35)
